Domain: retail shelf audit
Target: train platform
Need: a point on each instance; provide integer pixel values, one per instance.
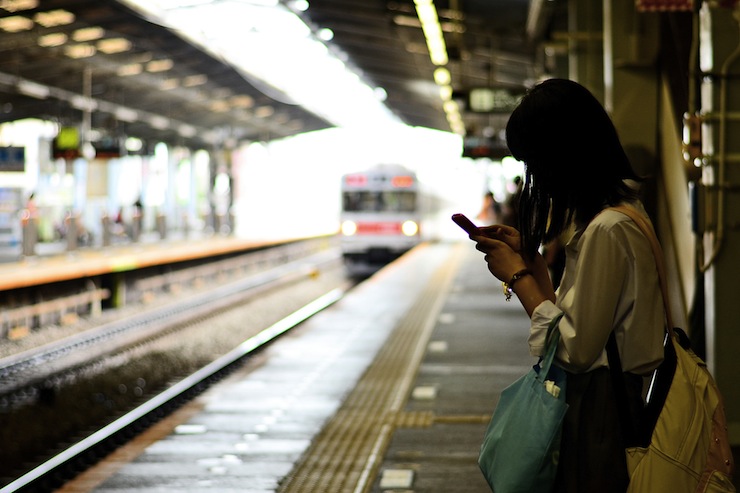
(53, 263)
(388, 390)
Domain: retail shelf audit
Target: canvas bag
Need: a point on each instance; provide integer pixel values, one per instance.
(685, 446)
(520, 449)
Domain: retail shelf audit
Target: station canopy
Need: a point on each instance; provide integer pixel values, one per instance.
(211, 73)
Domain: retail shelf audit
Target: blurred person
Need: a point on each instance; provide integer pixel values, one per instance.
(510, 209)
(490, 210)
(575, 167)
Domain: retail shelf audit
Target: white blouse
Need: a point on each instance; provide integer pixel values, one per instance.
(610, 283)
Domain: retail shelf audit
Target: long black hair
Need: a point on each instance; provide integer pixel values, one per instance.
(574, 162)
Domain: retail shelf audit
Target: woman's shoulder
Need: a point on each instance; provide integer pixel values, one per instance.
(610, 217)
(615, 225)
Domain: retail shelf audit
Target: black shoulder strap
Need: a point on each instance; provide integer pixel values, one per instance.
(629, 428)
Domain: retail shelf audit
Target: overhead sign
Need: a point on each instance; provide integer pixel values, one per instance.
(493, 100)
(66, 144)
(13, 159)
(482, 147)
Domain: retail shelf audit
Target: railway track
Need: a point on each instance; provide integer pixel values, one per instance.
(26, 376)
(22, 375)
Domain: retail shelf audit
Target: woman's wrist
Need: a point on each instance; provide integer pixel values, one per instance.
(509, 285)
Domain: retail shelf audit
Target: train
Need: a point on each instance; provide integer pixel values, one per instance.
(381, 215)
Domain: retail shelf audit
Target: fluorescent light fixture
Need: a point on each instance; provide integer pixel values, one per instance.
(53, 18)
(112, 46)
(88, 34)
(134, 144)
(219, 106)
(242, 101)
(16, 23)
(162, 65)
(80, 51)
(17, 5)
(406, 21)
(300, 5)
(83, 103)
(52, 40)
(159, 122)
(29, 88)
(194, 80)
(186, 130)
(130, 69)
(427, 14)
(126, 114)
(264, 111)
(169, 84)
(326, 34)
(442, 76)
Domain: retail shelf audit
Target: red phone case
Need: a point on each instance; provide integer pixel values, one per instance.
(465, 223)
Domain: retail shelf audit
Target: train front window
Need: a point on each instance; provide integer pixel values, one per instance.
(379, 201)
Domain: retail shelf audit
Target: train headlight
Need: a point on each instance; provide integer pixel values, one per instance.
(349, 228)
(410, 228)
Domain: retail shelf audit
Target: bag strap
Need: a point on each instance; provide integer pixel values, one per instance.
(648, 231)
(551, 346)
(615, 365)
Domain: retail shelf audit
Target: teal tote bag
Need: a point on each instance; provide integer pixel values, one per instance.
(520, 449)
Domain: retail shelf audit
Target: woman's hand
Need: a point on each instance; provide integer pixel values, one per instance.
(507, 234)
(502, 248)
(500, 245)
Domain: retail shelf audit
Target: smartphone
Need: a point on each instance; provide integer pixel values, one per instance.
(465, 223)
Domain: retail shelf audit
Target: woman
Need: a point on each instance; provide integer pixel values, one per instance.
(575, 168)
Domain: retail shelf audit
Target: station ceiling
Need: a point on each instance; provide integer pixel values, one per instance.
(56, 63)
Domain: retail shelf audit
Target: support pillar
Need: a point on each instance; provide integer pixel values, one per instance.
(720, 107)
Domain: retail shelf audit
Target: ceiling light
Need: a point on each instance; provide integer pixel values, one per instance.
(326, 34)
(186, 130)
(33, 89)
(88, 34)
(445, 92)
(451, 106)
(169, 84)
(111, 46)
(16, 23)
(407, 21)
(55, 18)
(83, 103)
(427, 14)
(52, 40)
(80, 51)
(126, 114)
(442, 76)
(300, 5)
(194, 80)
(16, 5)
(134, 144)
(160, 65)
(264, 111)
(130, 69)
(219, 106)
(159, 122)
(242, 101)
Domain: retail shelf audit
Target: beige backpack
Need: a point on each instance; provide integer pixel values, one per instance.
(688, 448)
